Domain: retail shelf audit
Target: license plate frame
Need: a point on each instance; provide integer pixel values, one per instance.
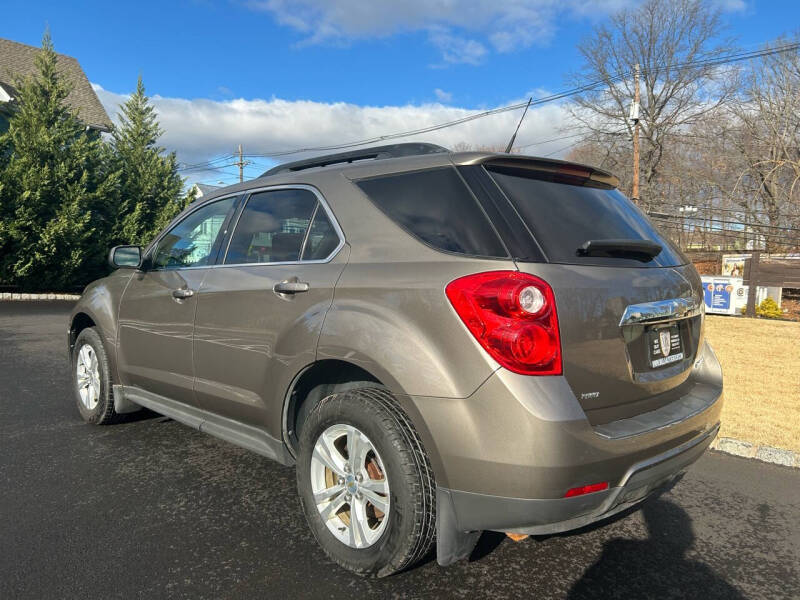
(655, 348)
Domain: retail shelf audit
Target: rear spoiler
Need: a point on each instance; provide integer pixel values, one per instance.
(546, 165)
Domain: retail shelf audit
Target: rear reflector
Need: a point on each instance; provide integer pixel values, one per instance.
(586, 489)
(513, 316)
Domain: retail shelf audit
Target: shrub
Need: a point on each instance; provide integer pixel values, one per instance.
(769, 309)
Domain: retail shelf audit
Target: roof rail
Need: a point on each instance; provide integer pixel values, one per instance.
(376, 153)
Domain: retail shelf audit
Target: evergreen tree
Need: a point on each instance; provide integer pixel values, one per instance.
(53, 190)
(150, 187)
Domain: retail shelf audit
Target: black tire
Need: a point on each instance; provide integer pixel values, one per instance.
(103, 413)
(410, 532)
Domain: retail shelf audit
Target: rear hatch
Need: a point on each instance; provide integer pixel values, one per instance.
(629, 303)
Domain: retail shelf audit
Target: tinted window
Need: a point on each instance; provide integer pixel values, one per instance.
(563, 216)
(272, 227)
(322, 238)
(436, 207)
(191, 243)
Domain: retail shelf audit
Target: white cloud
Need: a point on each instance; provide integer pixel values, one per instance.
(456, 49)
(462, 30)
(505, 25)
(442, 96)
(201, 129)
(731, 5)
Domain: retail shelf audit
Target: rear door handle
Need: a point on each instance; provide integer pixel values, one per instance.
(291, 287)
(182, 294)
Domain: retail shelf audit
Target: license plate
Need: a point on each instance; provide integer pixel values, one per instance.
(665, 346)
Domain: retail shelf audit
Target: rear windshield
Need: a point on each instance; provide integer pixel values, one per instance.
(436, 207)
(562, 217)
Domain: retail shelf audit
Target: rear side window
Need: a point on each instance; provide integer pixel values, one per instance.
(272, 227)
(563, 216)
(436, 207)
(322, 237)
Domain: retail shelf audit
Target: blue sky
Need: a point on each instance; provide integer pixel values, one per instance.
(394, 65)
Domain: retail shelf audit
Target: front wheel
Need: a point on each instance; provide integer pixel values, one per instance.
(365, 482)
(91, 379)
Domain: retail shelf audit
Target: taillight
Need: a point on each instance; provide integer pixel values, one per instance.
(513, 316)
(586, 489)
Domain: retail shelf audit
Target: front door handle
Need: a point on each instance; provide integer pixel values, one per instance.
(182, 294)
(290, 287)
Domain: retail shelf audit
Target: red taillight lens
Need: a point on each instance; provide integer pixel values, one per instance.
(586, 489)
(513, 316)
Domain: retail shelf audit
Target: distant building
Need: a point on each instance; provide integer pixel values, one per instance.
(18, 60)
(202, 189)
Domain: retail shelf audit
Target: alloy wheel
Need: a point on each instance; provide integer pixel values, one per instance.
(350, 487)
(88, 377)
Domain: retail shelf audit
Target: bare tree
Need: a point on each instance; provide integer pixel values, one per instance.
(767, 114)
(672, 40)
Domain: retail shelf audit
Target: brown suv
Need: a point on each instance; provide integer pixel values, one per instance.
(443, 343)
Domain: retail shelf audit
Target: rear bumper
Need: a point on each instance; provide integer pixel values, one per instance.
(505, 457)
(475, 512)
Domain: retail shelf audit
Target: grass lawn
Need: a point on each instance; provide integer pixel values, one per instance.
(761, 368)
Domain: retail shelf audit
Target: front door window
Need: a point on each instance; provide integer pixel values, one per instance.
(193, 241)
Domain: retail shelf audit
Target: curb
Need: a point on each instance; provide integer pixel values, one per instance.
(768, 454)
(16, 297)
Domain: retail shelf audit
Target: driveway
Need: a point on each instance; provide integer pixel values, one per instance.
(152, 509)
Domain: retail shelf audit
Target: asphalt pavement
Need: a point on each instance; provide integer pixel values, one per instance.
(150, 508)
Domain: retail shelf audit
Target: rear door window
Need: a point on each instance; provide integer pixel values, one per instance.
(437, 208)
(563, 216)
(272, 227)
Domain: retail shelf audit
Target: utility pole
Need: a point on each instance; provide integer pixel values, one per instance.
(635, 119)
(241, 164)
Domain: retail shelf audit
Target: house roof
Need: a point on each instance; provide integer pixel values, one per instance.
(204, 189)
(18, 60)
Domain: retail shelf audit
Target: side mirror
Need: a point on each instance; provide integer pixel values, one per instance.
(125, 257)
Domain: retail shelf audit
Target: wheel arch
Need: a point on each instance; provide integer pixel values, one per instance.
(97, 307)
(79, 321)
(328, 376)
(314, 382)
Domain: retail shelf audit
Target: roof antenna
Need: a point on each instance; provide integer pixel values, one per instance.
(514, 137)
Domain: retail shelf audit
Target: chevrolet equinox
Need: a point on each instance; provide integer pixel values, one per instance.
(441, 343)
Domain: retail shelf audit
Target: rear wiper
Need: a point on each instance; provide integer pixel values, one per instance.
(643, 250)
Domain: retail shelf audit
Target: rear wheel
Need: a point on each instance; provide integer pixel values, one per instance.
(365, 483)
(91, 379)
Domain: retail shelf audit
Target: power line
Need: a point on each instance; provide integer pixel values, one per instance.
(736, 57)
(740, 232)
(612, 133)
(555, 139)
(730, 58)
(205, 163)
(713, 209)
(732, 238)
(560, 150)
(686, 217)
(732, 233)
(211, 168)
(480, 115)
(727, 235)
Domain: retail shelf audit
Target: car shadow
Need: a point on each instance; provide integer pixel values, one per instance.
(657, 567)
(490, 540)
